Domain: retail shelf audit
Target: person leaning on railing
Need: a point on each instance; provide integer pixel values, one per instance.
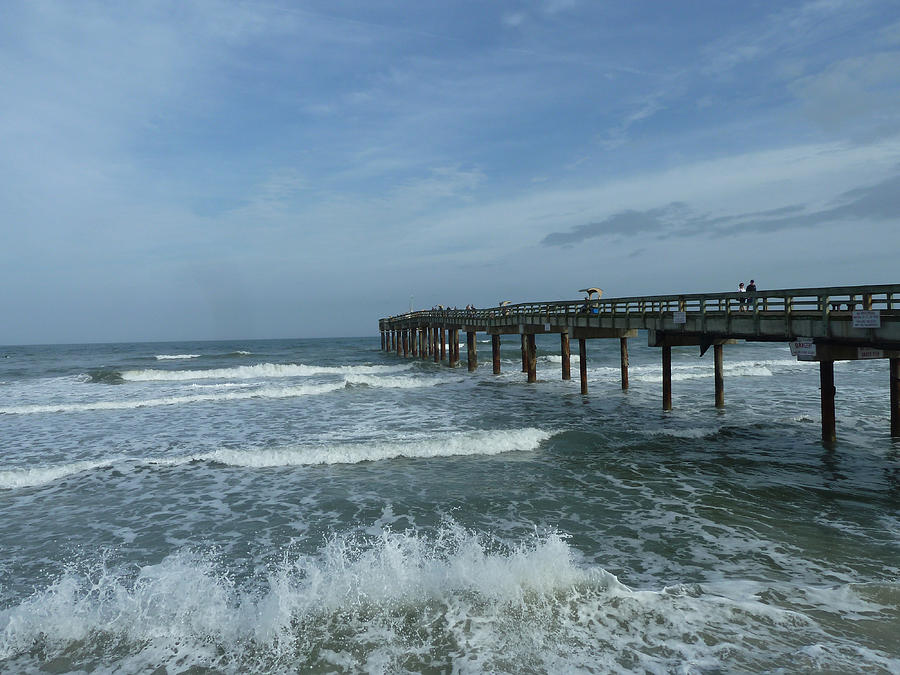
(751, 294)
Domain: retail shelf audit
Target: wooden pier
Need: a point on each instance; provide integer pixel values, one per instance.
(821, 324)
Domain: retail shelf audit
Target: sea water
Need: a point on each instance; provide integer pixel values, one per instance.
(323, 506)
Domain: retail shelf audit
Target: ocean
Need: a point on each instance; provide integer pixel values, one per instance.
(322, 506)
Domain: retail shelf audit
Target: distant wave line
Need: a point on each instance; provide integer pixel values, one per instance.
(260, 370)
(265, 392)
(484, 443)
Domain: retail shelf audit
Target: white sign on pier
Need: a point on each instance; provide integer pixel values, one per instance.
(869, 353)
(867, 318)
(804, 349)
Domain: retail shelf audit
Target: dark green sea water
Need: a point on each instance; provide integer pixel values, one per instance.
(321, 506)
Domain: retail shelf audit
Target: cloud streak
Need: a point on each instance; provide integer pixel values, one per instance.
(880, 203)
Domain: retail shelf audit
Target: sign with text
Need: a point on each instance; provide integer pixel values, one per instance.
(679, 317)
(804, 349)
(866, 318)
(869, 353)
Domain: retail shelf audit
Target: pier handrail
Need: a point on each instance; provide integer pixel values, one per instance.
(823, 301)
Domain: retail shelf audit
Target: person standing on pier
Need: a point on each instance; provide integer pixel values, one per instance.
(743, 299)
(751, 293)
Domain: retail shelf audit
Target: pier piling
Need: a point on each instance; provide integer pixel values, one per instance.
(471, 350)
(623, 361)
(532, 357)
(566, 356)
(495, 352)
(667, 376)
(720, 378)
(524, 354)
(582, 364)
(827, 392)
(453, 345)
(895, 398)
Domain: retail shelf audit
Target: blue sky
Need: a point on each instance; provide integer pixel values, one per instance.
(194, 170)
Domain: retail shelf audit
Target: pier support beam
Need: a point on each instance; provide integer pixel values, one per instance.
(414, 342)
(623, 361)
(443, 342)
(667, 376)
(399, 342)
(582, 363)
(532, 358)
(827, 392)
(895, 398)
(453, 345)
(524, 354)
(566, 356)
(495, 353)
(435, 350)
(720, 378)
(471, 350)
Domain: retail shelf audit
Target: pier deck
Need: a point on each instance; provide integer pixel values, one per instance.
(822, 324)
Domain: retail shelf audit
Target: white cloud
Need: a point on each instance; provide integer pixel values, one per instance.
(864, 89)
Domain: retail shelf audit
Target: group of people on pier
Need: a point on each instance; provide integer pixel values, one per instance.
(746, 293)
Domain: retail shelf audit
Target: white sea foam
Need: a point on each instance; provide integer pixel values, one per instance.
(448, 445)
(176, 612)
(173, 357)
(131, 404)
(30, 477)
(259, 371)
(455, 600)
(692, 433)
(395, 382)
(556, 358)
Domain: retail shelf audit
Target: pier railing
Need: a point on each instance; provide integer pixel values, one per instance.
(819, 302)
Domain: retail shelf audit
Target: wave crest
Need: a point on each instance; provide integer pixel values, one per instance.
(258, 371)
(262, 392)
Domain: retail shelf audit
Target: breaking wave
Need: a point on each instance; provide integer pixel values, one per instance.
(450, 599)
(262, 392)
(450, 445)
(261, 370)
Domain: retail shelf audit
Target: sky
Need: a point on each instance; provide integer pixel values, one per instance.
(198, 169)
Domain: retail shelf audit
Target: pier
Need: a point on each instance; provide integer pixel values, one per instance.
(820, 324)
